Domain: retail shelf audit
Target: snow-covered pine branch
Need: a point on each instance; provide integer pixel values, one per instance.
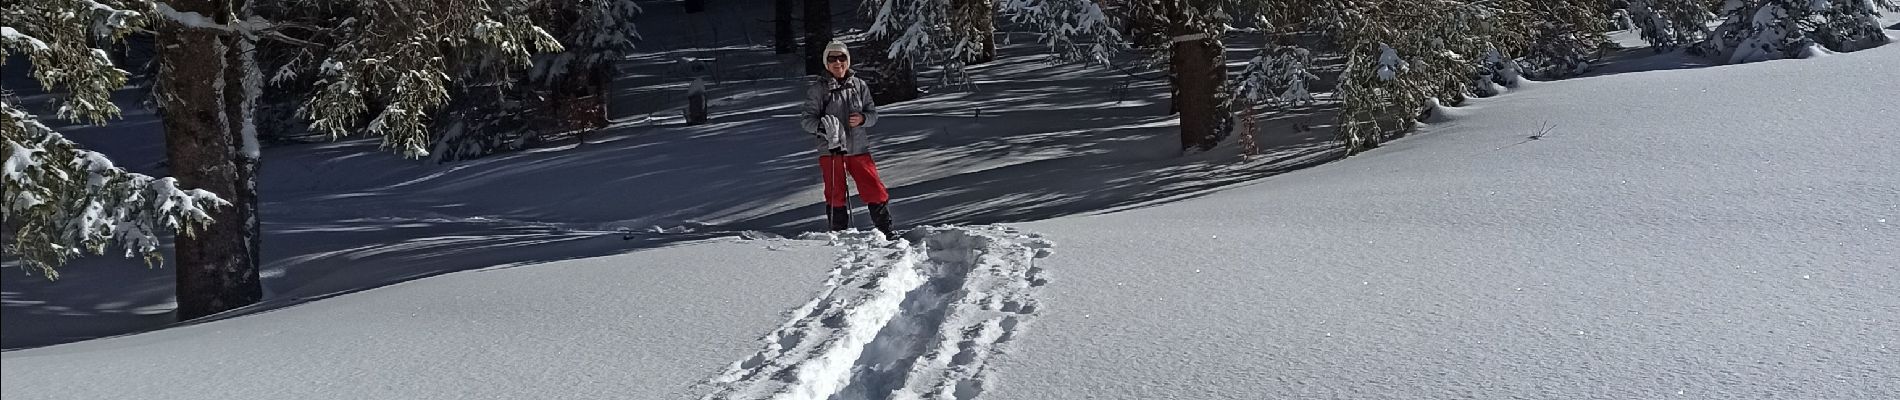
(919, 30)
(595, 32)
(1073, 29)
(69, 202)
(1669, 24)
(383, 52)
(1758, 30)
(54, 33)
(66, 201)
(1279, 75)
(1401, 54)
(1565, 36)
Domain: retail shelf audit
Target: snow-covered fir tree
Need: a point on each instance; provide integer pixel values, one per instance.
(949, 35)
(1491, 75)
(1758, 30)
(921, 32)
(1565, 37)
(383, 55)
(496, 106)
(593, 35)
(61, 201)
(1074, 30)
(388, 53)
(1851, 25)
(1278, 75)
(1670, 24)
(1401, 54)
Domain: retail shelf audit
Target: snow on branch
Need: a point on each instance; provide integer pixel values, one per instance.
(200, 21)
(10, 36)
(70, 201)
(1074, 29)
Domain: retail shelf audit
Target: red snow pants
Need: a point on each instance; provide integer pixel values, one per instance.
(870, 189)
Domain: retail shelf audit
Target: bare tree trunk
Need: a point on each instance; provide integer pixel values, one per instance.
(204, 124)
(1197, 76)
(783, 36)
(817, 34)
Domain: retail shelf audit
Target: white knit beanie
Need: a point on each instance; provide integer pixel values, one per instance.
(836, 47)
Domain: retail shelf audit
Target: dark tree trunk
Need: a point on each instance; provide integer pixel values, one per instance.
(217, 266)
(1197, 77)
(817, 33)
(581, 99)
(784, 36)
(892, 80)
(979, 17)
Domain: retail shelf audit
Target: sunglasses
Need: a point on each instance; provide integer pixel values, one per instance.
(836, 58)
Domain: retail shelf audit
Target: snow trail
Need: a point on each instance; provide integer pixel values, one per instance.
(906, 319)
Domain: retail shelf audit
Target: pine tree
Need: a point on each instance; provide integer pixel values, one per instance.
(1197, 61)
(1141, 24)
(909, 32)
(385, 52)
(977, 19)
(1670, 24)
(495, 106)
(1757, 30)
(949, 35)
(1278, 75)
(1074, 30)
(1494, 74)
(62, 201)
(1565, 38)
(594, 35)
(1277, 69)
(1402, 55)
(1852, 25)
(211, 143)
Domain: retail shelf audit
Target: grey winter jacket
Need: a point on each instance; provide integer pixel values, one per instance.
(829, 96)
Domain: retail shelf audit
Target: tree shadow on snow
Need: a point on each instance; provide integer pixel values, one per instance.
(1031, 141)
(1646, 59)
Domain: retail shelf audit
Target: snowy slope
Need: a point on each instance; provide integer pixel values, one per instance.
(644, 325)
(1729, 232)
(1725, 232)
(1030, 141)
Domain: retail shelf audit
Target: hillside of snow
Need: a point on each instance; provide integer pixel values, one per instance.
(1658, 229)
(1031, 141)
(1727, 232)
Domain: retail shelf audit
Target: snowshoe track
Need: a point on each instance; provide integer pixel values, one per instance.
(917, 318)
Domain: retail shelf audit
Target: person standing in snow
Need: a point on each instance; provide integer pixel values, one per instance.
(838, 108)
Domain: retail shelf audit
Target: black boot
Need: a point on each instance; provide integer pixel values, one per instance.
(840, 217)
(881, 217)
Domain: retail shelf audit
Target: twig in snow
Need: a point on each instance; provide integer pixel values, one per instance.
(1545, 130)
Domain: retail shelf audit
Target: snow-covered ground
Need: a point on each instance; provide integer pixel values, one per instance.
(1718, 232)
(1033, 141)
(1728, 232)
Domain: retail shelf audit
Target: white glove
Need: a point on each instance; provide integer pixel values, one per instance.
(834, 132)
